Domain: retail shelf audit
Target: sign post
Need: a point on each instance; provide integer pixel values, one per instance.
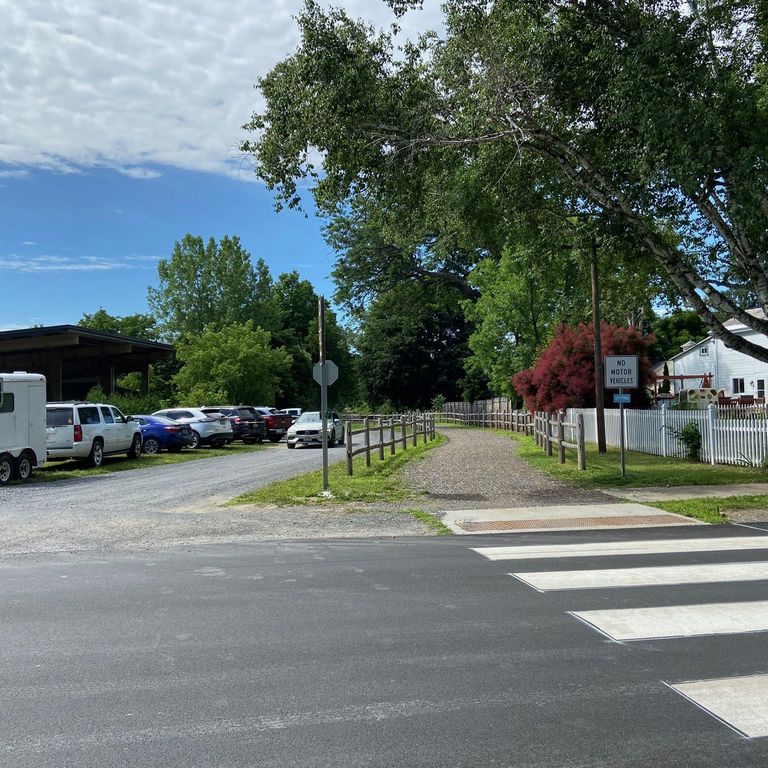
(324, 373)
(621, 371)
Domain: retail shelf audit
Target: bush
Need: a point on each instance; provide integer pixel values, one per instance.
(690, 437)
(128, 404)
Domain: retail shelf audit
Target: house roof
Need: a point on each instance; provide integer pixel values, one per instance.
(736, 325)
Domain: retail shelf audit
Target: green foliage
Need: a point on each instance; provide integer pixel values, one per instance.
(438, 402)
(673, 330)
(128, 404)
(642, 122)
(137, 326)
(210, 284)
(233, 365)
(690, 437)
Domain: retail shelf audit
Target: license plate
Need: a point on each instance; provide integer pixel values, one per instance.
(279, 431)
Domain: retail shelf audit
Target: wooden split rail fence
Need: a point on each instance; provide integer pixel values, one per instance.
(388, 432)
(549, 431)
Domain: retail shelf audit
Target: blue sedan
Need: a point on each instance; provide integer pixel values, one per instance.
(158, 433)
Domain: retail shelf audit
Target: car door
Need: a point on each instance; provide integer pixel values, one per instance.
(123, 430)
(111, 433)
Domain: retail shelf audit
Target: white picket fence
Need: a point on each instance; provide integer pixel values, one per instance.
(727, 438)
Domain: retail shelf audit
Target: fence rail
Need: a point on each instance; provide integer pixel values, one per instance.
(389, 431)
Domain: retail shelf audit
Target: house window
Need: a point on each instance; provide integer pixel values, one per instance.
(703, 351)
(737, 386)
(760, 387)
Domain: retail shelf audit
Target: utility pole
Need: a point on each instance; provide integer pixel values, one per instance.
(323, 386)
(599, 399)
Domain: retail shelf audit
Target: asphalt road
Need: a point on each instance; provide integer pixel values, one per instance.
(358, 653)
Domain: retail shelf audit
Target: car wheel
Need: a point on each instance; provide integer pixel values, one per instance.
(259, 440)
(195, 441)
(23, 467)
(96, 456)
(291, 445)
(6, 469)
(151, 445)
(134, 452)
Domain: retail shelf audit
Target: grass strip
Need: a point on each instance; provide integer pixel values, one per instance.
(430, 521)
(67, 470)
(642, 469)
(712, 510)
(378, 483)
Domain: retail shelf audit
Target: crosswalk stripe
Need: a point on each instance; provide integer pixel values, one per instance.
(548, 581)
(642, 547)
(739, 702)
(626, 624)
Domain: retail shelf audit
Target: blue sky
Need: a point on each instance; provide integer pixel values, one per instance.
(118, 136)
(72, 243)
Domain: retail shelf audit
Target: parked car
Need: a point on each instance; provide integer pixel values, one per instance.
(294, 413)
(308, 430)
(247, 425)
(207, 429)
(89, 431)
(159, 433)
(277, 423)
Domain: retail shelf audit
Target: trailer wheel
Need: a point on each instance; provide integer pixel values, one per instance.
(6, 468)
(24, 467)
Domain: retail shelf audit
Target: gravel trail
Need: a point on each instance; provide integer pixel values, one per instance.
(478, 469)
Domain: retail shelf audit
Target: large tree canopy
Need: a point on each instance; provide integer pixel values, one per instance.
(645, 118)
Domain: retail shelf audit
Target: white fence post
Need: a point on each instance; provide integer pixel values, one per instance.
(711, 414)
(664, 430)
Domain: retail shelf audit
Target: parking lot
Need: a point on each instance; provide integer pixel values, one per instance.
(161, 505)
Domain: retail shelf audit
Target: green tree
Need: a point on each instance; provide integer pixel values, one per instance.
(235, 364)
(647, 117)
(206, 284)
(412, 347)
(137, 326)
(673, 330)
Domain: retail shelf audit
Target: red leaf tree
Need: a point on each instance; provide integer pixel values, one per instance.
(564, 374)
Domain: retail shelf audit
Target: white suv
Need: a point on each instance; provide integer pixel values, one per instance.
(90, 431)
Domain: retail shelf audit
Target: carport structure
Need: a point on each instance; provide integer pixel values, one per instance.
(74, 359)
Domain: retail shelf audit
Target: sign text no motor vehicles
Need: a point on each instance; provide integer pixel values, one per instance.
(621, 371)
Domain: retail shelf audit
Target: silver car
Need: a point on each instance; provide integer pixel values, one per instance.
(308, 430)
(207, 429)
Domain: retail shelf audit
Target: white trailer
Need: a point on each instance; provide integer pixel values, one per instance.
(22, 424)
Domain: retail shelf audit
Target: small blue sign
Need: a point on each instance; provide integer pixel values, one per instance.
(622, 398)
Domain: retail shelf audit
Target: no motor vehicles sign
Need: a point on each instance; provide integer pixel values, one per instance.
(621, 371)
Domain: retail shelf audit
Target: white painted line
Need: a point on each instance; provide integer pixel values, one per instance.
(547, 581)
(739, 702)
(626, 624)
(602, 549)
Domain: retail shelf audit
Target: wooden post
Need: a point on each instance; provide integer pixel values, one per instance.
(349, 446)
(404, 432)
(367, 428)
(392, 436)
(548, 433)
(581, 451)
(560, 438)
(381, 438)
(415, 435)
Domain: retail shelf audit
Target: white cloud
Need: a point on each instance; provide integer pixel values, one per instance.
(29, 242)
(13, 262)
(14, 174)
(131, 84)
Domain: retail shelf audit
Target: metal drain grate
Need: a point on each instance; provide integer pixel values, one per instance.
(570, 522)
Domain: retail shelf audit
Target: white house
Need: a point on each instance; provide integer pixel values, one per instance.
(732, 372)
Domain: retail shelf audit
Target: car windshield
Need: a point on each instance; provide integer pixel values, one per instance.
(309, 416)
(158, 420)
